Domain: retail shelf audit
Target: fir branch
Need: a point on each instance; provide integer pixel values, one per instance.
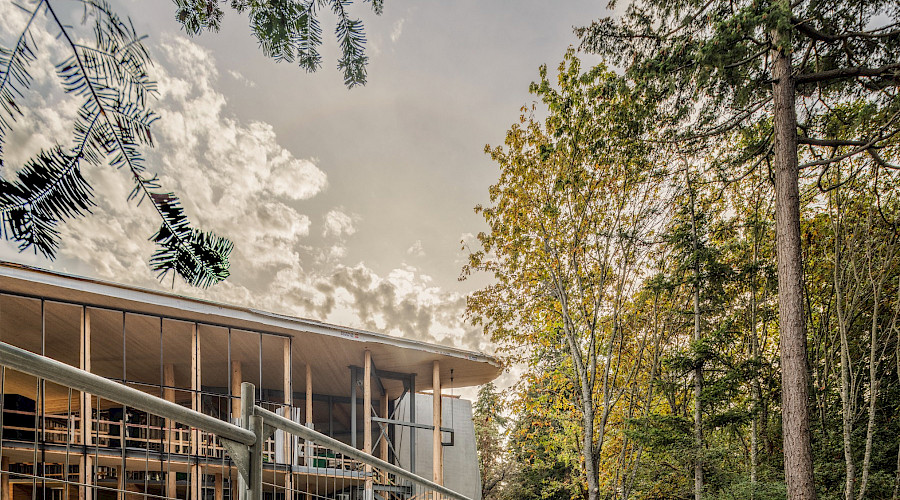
(309, 38)
(178, 237)
(15, 77)
(112, 121)
(50, 188)
(197, 15)
(377, 6)
(352, 39)
(888, 70)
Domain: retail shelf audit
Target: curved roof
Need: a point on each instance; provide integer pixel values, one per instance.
(329, 349)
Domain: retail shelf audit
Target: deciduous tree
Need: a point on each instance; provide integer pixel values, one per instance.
(569, 225)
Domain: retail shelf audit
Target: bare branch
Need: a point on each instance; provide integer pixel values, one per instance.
(881, 161)
(834, 143)
(850, 72)
(749, 58)
(822, 36)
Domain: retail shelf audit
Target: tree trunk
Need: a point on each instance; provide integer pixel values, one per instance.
(754, 355)
(846, 401)
(897, 477)
(874, 358)
(897, 474)
(798, 466)
(590, 461)
(698, 364)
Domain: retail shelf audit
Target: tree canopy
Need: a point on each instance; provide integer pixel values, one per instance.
(780, 74)
(758, 331)
(289, 30)
(569, 224)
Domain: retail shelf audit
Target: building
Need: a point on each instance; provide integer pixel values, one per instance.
(196, 353)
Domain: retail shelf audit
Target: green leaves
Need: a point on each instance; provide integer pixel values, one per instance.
(199, 15)
(352, 39)
(111, 127)
(289, 30)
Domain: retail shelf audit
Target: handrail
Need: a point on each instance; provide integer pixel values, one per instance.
(63, 374)
(292, 427)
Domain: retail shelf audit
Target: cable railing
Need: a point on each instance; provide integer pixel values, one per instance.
(318, 467)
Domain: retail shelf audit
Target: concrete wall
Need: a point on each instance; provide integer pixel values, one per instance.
(460, 460)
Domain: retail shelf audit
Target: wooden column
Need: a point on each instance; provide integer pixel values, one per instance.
(354, 378)
(437, 449)
(383, 428)
(195, 369)
(309, 396)
(412, 418)
(236, 379)
(287, 388)
(367, 404)
(120, 482)
(169, 395)
(195, 405)
(367, 421)
(85, 462)
(5, 491)
(171, 484)
(308, 453)
(170, 447)
(219, 488)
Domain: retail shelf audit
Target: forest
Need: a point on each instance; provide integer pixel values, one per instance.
(695, 258)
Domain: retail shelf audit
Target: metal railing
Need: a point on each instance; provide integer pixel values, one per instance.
(244, 444)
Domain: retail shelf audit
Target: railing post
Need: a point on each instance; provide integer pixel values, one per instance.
(256, 459)
(248, 395)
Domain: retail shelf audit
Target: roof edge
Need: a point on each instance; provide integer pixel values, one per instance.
(202, 306)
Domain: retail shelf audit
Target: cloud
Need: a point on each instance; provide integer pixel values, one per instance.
(416, 249)
(397, 29)
(233, 177)
(237, 180)
(405, 302)
(337, 223)
(241, 78)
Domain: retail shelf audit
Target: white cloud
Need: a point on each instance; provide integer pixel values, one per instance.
(416, 249)
(233, 177)
(337, 223)
(237, 180)
(397, 29)
(241, 78)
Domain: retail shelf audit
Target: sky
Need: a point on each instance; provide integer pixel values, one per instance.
(345, 206)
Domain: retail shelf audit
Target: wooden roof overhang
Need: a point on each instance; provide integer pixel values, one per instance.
(329, 349)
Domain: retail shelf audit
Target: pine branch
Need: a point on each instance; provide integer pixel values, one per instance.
(197, 15)
(274, 24)
(112, 121)
(175, 236)
(804, 27)
(50, 189)
(352, 38)
(179, 246)
(289, 29)
(309, 38)
(377, 6)
(15, 77)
